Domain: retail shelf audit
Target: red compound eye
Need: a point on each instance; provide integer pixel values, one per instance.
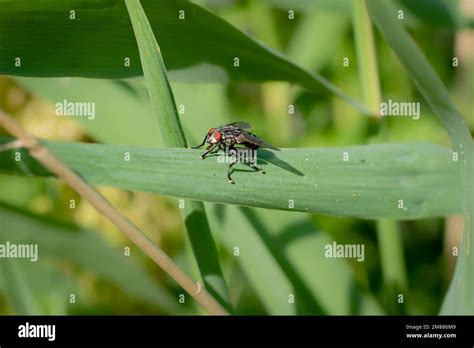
(211, 130)
(217, 135)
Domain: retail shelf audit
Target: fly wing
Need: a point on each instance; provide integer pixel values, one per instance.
(242, 125)
(253, 139)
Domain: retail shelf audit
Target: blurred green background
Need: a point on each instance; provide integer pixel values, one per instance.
(82, 254)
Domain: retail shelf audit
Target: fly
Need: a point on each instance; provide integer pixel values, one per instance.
(235, 136)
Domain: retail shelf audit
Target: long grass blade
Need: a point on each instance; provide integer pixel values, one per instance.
(370, 185)
(164, 108)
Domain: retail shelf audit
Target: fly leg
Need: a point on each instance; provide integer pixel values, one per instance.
(229, 172)
(203, 142)
(209, 149)
(233, 151)
(252, 162)
(254, 167)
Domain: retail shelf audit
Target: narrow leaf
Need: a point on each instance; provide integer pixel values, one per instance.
(370, 185)
(164, 108)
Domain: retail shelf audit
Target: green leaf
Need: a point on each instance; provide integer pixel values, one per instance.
(161, 96)
(99, 42)
(460, 297)
(369, 185)
(86, 250)
(164, 108)
(366, 57)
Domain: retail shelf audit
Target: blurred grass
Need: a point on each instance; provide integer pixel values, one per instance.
(432, 13)
(459, 298)
(392, 262)
(18, 288)
(290, 241)
(113, 99)
(87, 252)
(310, 47)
